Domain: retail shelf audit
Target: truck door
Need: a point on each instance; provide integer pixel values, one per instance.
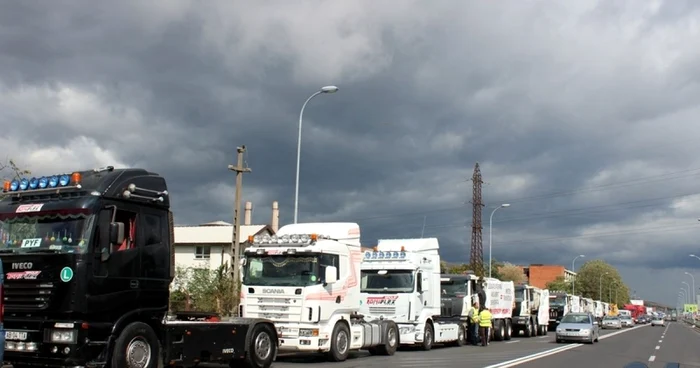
(115, 285)
(154, 273)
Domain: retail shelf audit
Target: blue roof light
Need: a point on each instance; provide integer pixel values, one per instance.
(64, 180)
(43, 182)
(53, 181)
(14, 185)
(23, 184)
(33, 183)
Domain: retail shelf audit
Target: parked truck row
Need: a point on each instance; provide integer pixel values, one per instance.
(561, 303)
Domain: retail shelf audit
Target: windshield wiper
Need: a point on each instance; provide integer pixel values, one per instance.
(42, 250)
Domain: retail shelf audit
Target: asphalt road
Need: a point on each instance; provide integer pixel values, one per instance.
(495, 355)
(675, 345)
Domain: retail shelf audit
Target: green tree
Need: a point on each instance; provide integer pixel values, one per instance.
(204, 290)
(510, 272)
(599, 280)
(559, 284)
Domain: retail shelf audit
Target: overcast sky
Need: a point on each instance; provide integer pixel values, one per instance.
(583, 115)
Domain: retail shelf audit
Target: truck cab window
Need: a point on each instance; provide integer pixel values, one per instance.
(152, 229)
(129, 220)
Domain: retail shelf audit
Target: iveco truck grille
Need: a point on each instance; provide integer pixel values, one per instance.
(27, 295)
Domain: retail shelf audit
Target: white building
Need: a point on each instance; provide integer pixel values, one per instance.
(208, 245)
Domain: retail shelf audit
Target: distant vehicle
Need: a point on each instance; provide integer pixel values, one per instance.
(612, 322)
(578, 327)
(658, 321)
(627, 321)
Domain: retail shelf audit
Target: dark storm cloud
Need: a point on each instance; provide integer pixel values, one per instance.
(556, 101)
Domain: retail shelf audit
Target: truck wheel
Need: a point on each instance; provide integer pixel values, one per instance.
(262, 348)
(427, 337)
(136, 347)
(498, 329)
(461, 336)
(528, 329)
(391, 340)
(340, 343)
(509, 330)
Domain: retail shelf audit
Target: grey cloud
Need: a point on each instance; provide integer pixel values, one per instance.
(547, 97)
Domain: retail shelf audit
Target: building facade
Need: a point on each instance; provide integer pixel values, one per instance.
(540, 275)
(208, 245)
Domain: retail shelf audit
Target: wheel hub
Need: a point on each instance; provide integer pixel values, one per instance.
(138, 353)
(263, 346)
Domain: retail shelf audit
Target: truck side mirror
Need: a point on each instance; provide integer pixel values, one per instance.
(116, 233)
(331, 275)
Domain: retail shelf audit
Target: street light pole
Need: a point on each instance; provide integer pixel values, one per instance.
(600, 286)
(573, 269)
(505, 205)
(610, 291)
(694, 301)
(687, 294)
(326, 89)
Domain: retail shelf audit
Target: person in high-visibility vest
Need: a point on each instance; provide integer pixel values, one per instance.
(473, 323)
(484, 326)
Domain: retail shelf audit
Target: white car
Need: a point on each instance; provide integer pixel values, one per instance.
(658, 321)
(627, 321)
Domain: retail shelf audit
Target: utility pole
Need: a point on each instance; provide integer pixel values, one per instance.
(236, 241)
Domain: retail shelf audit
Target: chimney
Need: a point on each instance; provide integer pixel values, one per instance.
(275, 224)
(248, 213)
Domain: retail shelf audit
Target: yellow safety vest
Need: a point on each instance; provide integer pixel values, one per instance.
(475, 314)
(485, 318)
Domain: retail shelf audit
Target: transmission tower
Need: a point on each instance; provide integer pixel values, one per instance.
(477, 250)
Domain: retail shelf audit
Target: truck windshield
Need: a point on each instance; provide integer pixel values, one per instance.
(453, 289)
(286, 270)
(557, 301)
(55, 231)
(519, 293)
(393, 281)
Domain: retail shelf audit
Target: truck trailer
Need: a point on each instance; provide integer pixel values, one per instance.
(306, 279)
(405, 287)
(89, 260)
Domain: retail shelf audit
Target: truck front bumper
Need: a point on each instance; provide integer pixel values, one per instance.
(296, 338)
(46, 343)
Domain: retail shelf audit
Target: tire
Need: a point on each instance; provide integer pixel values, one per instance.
(136, 338)
(498, 331)
(391, 338)
(340, 343)
(509, 330)
(428, 337)
(461, 337)
(262, 347)
(528, 329)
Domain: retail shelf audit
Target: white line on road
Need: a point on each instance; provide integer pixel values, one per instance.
(652, 358)
(546, 353)
(543, 337)
(661, 340)
(657, 347)
(510, 342)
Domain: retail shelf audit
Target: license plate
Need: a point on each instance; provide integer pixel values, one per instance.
(15, 335)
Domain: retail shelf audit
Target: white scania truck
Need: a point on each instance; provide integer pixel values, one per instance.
(306, 279)
(400, 280)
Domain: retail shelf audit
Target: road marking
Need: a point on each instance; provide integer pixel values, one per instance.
(543, 337)
(661, 340)
(510, 342)
(657, 347)
(652, 358)
(546, 353)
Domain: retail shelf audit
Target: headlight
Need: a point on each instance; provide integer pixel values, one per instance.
(308, 332)
(585, 330)
(406, 330)
(560, 330)
(63, 336)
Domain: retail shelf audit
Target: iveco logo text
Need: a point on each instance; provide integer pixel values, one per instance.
(273, 291)
(22, 266)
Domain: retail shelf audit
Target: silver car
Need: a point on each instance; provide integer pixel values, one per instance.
(627, 321)
(658, 321)
(580, 327)
(611, 322)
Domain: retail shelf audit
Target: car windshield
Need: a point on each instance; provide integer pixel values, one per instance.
(65, 231)
(576, 318)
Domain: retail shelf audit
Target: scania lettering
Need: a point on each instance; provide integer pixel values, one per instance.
(400, 281)
(531, 313)
(89, 260)
(314, 270)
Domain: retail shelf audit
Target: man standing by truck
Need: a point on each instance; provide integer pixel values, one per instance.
(485, 326)
(473, 323)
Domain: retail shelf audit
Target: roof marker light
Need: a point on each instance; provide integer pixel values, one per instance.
(76, 178)
(53, 181)
(23, 184)
(33, 183)
(64, 180)
(6, 186)
(43, 182)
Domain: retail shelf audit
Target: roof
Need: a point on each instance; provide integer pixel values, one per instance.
(217, 232)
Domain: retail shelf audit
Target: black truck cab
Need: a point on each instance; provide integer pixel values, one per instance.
(88, 260)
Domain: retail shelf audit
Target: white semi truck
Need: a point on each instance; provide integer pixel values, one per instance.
(531, 313)
(575, 304)
(559, 306)
(587, 305)
(460, 291)
(598, 310)
(400, 281)
(306, 279)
